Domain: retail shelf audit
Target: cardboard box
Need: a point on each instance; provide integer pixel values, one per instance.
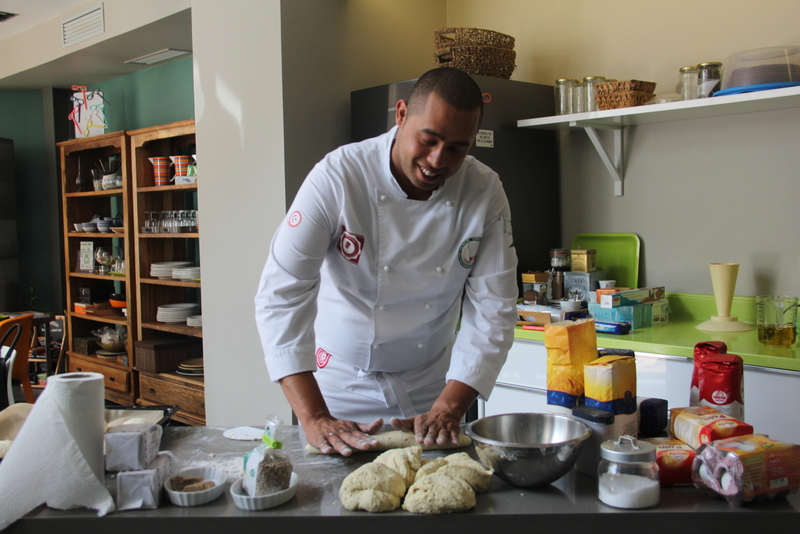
(639, 316)
(660, 311)
(583, 260)
(607, 291)
(632, 297)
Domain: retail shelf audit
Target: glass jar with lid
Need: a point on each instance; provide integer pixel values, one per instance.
(687, 86)
(591, 91)
(628, 474)
(579, 97)
(709, 78)
(564, 94)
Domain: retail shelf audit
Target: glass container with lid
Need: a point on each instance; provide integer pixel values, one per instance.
(590, 91)
(687, 86)
(564, 94)
(709, 78)
(628, 474)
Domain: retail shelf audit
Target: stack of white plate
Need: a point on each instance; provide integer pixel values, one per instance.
(187, 274)
(163, 269)
(195, 321)
(176, 313)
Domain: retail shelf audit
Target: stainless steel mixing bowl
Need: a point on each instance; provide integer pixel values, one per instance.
(528, 449)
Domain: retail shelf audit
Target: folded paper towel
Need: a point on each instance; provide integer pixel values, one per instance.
(57, 457)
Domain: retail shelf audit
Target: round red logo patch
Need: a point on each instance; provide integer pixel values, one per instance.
(323, 357)
(295, 219)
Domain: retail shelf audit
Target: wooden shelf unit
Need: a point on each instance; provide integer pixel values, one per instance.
(79, 156)
(166, 387)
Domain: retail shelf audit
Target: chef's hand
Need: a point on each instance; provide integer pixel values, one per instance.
(442, 422)
(324, 431)
(330, 435)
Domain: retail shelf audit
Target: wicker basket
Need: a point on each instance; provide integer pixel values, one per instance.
(480, 60)
(603, 88)
(622, 100)
(475, 51)
(472, 37)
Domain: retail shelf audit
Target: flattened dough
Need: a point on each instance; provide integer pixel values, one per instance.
(439, 494)
(372, 487)
(398, 439)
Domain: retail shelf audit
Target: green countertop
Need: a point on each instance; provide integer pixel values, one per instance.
(679, 336)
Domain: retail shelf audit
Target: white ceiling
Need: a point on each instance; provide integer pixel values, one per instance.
(94, 64)
(31, 12)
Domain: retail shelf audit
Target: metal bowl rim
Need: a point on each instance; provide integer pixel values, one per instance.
(487, 441)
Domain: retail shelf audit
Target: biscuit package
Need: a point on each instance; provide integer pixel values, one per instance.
(698, 425)
(746, 469)
(674, 459)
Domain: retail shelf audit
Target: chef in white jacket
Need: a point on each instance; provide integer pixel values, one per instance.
(390, 288)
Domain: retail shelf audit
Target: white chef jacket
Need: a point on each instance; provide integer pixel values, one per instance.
(366, 286)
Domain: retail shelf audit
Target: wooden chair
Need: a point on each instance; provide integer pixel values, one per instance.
(23, 347)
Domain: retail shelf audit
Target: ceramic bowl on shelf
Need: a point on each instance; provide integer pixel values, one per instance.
(78, 227)
(197, 498)
(89, 227)
(262, 502)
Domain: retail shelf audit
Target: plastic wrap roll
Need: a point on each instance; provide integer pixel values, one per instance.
(747, 468)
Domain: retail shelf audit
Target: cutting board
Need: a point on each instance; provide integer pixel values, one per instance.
(617, 255)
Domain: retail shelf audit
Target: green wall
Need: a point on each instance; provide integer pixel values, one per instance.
(158, 95)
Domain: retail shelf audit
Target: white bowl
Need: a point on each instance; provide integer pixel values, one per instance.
(262, 502)
(196, 498)
(571, 305)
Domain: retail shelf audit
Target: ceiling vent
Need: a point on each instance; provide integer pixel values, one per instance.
(155, 57)
(82, 26)
(5, 15)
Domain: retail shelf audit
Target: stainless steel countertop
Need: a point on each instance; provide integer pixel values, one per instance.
(568, 504)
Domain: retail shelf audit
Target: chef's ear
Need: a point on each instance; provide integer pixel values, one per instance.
(400, 112)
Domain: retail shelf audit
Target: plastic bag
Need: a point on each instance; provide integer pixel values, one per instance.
(267, 469)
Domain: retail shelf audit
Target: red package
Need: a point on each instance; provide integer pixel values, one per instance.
(674, 459)
(718, 379)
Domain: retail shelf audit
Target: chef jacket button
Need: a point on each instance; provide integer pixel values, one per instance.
(449, 204)
(439, 270)
(375, 346)
(427, 306)
(381, 307)
(420, 346)
(386, 268)
(383, 198)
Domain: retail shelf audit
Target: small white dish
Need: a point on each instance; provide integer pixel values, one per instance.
(571, 305)
(607, 284)
(262, 502)
(244, 433)
(196, 498)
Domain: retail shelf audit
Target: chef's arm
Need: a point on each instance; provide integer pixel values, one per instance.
(323, 430)
(443, 421)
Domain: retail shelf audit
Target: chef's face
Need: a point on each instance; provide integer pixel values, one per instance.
(431, 144)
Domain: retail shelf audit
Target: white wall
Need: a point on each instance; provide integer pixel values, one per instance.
(697, 191)
(238, 112)
(271, 99)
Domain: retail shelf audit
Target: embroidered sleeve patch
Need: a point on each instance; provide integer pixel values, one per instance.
(467, 251)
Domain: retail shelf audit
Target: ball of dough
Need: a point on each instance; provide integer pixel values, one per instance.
(373, 487)
(405, 461)
(429, 467)
(439, 494)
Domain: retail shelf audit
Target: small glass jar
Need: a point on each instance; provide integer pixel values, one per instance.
(579, 97)
(709, 78)
(628, 474)
(565, 87)
(688, 83)
(559, 259)
(589, 82)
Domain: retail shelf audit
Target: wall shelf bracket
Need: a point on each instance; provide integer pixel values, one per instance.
(614, 166)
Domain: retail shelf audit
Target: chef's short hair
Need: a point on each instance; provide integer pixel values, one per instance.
(454, 86)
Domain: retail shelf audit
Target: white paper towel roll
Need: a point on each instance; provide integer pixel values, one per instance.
(57, 458)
